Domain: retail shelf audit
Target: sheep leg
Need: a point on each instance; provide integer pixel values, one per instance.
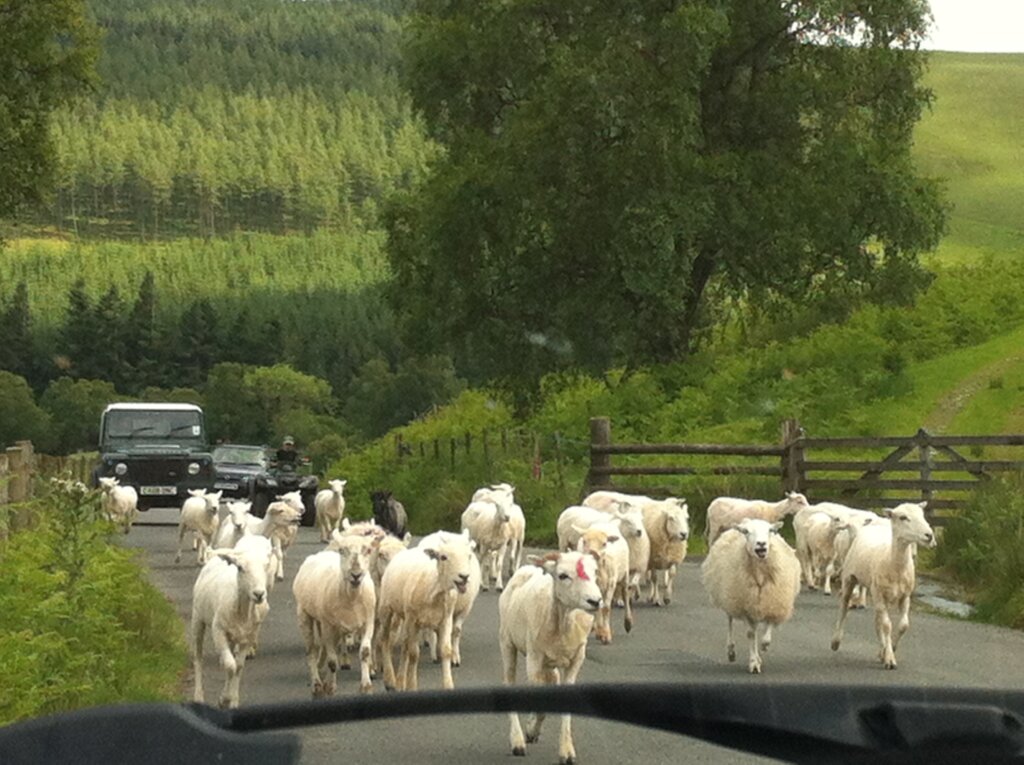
(537, 675)
(457, 641)
(805, 567)
(197, 638)
(279, 556)
(623, 588)
(227, 661)
(766, 637)
(444, 640)
(566, 750)
(366, 657)
(430, 643)
(308, 629)
(509, 657)
(730, 642)
(181, 539)
(230, 696)
(845, 597)
(904, 623)
(830, 570)
(499, 567)
(407, 672)
(387, 639)
(670, 581)
(883, 628)
(754, 665)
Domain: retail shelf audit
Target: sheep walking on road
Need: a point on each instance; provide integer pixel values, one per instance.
(487, 523)
(335, 599)
(199, 515)
(752, 574)
(725, 512)
(546, 614)
(882, 558)
(120, 504)
(330, 508)
(230, 600)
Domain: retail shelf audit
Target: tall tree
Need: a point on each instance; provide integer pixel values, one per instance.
(48, 49)
(16, 349)
(142, 346)
(615, 170)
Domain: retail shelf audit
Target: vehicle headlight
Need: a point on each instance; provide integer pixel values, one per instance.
(120, 468)
(271, 482)
(193, 468)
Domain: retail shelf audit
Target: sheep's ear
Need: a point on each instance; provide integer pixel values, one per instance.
(776, 526)
(337, 536)
(197, 492)
(923, 504)
(217, 496)
(432, 553)
(231, 557)
(345, 523)
(408, 538)
(742, 529)
(887, 512)
(613, 538)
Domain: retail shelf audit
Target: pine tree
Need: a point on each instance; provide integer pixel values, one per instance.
(16, 348)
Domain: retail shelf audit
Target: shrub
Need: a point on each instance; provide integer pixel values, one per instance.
(82, 626)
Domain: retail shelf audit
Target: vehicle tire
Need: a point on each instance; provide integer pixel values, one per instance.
(260, 503)
(309, 516)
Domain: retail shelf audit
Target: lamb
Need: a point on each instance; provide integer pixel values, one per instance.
(120, 504)
(419, 591)
(390, 513)
(487, 524)
(330, 508)
(752, 574)
(816, 550)
(199, 514)
(280, 518)
(832, 547)
(724, 512)
(229, 599)
(233, 526)
(546, 614)
(605, 542)
(262, 547)
(463, 603)
(335, 598)
(882, 557)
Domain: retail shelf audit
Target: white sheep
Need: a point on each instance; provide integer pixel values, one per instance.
(828, 548)
(463, 603)
(120, 504)
(546, 614)
(668, 527)
(229, 599)
(262, 548)
(486, 521)
(632, 527)
(234, 525)
(505, 493)
(334, 599)
(330, 508)
(882, 557)
(752, 574)
(724, 512)
(199, 515)
(280, 519)
(605, 542)
(418, 592)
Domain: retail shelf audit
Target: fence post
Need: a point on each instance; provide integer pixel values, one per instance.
(19, 489)
(792, 475)
(600, 435)
(924, 451)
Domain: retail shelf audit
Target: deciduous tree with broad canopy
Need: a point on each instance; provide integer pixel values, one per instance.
(615, 172)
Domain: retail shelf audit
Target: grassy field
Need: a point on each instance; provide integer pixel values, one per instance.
(973, 138)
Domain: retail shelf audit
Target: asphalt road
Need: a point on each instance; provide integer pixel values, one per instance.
(682, 642)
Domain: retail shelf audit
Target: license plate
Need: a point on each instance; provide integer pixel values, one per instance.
(159, 491)
(224, 485)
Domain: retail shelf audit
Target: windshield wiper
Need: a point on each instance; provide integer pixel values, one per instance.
(180, 427)
(800, 723)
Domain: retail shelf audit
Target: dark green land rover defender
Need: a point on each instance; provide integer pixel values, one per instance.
(160, 449)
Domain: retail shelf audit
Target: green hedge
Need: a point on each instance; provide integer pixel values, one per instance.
(81, 624)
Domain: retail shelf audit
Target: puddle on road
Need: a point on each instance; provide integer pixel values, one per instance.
(930, 593)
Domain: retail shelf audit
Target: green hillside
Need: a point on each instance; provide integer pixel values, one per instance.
(974, 139)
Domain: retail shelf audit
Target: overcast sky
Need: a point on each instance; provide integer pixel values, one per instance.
(978, 25)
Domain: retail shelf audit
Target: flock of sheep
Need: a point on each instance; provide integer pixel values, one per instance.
(369, 591)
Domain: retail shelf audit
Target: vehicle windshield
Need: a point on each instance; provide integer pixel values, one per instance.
(240, 455)
(127, 427)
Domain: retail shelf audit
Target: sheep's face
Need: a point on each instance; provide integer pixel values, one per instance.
(795, 502)
(759, 536)
(453, 560)
(593, 541)
(284, 513)
(677, 522)
(575, 576)
(107, 484)
(355, 560)
(213, 502)
(252, 573)
(909, 524)
(337, 486)
(631, 524)
(293, 498)
(237, 512)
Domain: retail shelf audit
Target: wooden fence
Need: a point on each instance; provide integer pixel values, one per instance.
(21, 467)
(848, 470)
